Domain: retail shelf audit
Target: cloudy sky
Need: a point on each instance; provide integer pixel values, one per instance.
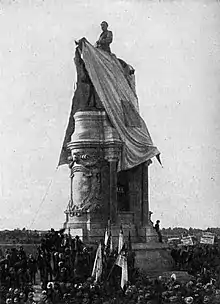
(174, 47)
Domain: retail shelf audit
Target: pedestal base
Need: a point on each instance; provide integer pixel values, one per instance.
(90, 230)
(152, 257)
(148, 234)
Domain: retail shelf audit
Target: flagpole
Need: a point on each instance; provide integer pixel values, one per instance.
(114, 264)
(111, 269)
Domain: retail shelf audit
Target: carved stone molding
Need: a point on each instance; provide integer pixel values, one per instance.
(113, 153)
(94, 144)
(86, 182)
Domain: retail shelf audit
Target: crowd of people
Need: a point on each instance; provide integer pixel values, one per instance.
(63, 267)
(194, 259)
(17, 275)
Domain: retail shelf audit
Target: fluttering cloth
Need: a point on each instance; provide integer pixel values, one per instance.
(118, 97)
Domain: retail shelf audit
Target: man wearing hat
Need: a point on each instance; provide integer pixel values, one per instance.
(105, 39)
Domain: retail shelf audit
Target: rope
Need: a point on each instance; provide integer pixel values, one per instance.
(43, 199)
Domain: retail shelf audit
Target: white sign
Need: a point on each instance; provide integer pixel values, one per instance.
(207, 238)
(74, 232)
(187, 240)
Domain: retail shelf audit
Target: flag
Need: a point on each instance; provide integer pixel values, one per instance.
(122, 262)
(97, 267)
(108, 240)
(110, 236)
(106, 237)
(120, 240)
(111, 244)
(107, 233)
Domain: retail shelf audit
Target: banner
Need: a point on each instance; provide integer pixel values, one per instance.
(108, 244)
(106, 237)
(122, 262)
(207, 238)
(97, 267)
(187, 240)
(120, 240)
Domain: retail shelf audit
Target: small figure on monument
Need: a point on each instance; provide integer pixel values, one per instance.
(157, 228)
(149, 217)
(105, 39)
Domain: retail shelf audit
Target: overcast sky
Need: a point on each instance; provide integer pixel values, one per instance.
(175, 49)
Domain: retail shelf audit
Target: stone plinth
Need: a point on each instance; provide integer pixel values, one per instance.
(125, 217)
(152, 257)
(90, 230)
(148, 234)
(76, 226)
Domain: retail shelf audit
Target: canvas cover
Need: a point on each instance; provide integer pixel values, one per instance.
(116, 92)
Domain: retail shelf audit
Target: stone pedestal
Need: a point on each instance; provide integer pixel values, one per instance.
(94, 181)
(152, 257)
(150, 234)
(90, 230)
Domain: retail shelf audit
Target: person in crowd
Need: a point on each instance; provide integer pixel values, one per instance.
(32, 268)
(157, 228)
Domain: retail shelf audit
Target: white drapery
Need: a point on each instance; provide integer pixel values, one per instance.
(121, 105)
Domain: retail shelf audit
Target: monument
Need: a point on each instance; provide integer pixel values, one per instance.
(108, 149)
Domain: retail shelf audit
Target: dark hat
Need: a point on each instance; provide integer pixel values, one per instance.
(104, 22)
